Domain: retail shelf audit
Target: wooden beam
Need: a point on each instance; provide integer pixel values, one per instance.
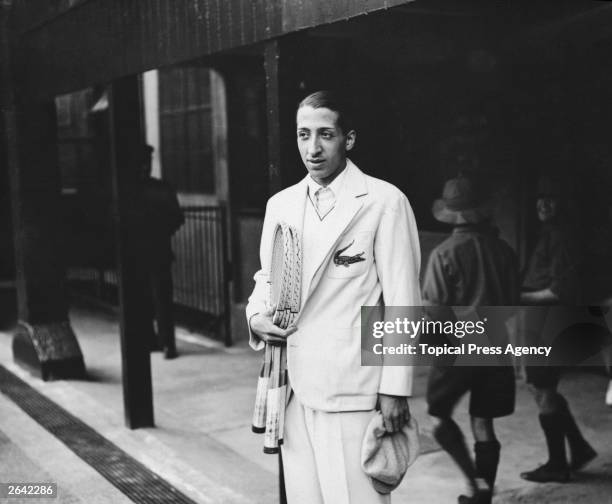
(281, 132)
(285, 86)
(126, 134)
(100, 40)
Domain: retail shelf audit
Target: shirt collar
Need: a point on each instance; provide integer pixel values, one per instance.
(480, 227)
(335, 185)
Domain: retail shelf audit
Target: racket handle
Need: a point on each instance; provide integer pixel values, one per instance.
(259, 412)
(283, 399)
(276, 366)
(275, 409)
(282, 404)
(283, 365)
(258, 424)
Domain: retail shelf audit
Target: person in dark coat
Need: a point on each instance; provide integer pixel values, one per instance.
(159, 216)
(552, 278)
(472, 267)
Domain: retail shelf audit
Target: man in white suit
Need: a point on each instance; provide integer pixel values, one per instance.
(360, 248)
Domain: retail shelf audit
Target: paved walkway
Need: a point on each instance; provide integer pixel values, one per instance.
(202, 443)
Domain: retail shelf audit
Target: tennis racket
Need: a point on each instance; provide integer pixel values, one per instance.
(285, 291)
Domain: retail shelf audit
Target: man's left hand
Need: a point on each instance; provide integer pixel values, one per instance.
(395, 411)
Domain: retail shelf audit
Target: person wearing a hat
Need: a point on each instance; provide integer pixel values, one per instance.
(472, 267)
(156, 217)
(552, 278)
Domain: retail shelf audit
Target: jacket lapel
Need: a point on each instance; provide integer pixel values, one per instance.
(348, 205)
(295, 204)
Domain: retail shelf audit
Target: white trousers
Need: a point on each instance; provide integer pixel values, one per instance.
(322, 457)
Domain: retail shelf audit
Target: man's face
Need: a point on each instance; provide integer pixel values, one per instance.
(321, 142)
(547, 208)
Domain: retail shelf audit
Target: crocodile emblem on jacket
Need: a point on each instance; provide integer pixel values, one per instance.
(345, 260)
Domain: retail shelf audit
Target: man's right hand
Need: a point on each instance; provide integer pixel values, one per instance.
(262, 325)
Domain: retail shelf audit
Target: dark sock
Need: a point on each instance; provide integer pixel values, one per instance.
(487, 460)
(450, 437)
(572, 431)
(554, 431)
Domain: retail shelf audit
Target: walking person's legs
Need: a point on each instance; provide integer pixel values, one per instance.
(451, 439)
(581, 452)
(558, 424)
(161, 284)
(486, 449)
(492, 396)
(149, 305)
(551, 419)
(445, 387)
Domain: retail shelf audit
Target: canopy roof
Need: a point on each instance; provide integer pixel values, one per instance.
(70, 44)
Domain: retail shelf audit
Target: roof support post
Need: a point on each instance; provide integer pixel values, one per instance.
(126, 135)
(282, 95)
(281, 100)
(44, 341)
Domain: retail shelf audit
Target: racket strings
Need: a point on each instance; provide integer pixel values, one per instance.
(286, 275)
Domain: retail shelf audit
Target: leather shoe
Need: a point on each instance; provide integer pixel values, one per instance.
(170, 354)
(547, 473)
(480, 497)
(582, 457)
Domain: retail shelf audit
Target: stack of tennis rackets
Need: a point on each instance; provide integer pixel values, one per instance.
(285, 291)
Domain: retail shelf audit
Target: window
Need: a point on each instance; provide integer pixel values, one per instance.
(75, 143)
(186, 129)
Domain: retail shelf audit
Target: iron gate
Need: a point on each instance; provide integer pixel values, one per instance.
(200, 271)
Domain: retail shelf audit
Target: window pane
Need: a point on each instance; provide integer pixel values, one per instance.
(186, 129)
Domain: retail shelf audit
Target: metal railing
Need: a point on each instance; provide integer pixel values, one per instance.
(200, 272)
(201, 266)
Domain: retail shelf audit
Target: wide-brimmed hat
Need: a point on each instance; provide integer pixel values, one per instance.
(462, 202)
(385, 457)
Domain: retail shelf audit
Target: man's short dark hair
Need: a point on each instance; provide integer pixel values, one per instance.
(330, 100)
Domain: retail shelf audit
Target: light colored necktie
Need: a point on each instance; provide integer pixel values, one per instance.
(324, 201)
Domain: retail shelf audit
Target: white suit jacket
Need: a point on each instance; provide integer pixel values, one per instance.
(324, 359)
